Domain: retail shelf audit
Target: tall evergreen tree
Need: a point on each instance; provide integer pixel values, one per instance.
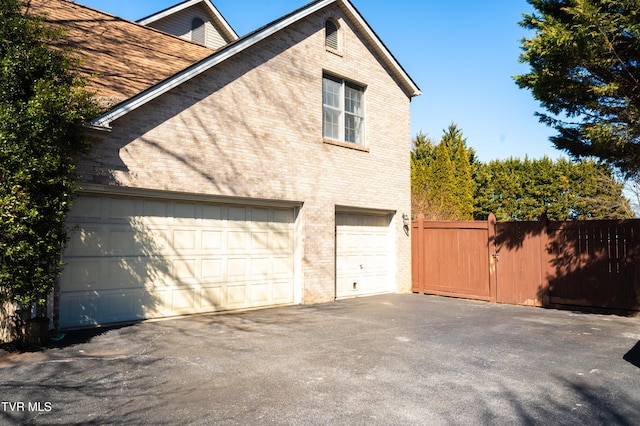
(585, 71)
(42, 109)
(442, 182)
(426, 181)
(464, 185)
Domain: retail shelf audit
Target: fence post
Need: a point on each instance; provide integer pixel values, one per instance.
(545, 259)
(418, 257)
(493, 260)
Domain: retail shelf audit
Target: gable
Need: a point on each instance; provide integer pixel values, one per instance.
(233, 49)
(177, 20)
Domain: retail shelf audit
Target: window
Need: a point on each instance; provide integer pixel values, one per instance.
(331, 34)
(342, 111)
(197, 30)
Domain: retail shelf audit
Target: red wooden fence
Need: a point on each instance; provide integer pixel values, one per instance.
(592, 264)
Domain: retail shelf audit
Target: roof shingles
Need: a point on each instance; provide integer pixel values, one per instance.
(121, 58)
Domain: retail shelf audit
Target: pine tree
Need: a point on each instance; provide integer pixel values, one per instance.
(464, 186)
(442, 185)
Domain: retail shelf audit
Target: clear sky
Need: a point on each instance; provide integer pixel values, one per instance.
(462, 55)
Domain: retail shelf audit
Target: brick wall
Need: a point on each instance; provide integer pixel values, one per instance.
(252, 127)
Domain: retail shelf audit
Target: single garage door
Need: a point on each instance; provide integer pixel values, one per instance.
(132, 258)
(363, 261)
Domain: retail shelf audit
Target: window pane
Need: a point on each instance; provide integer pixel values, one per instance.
(330, 123)
(331, 93)
(353, 129)
(353, 100)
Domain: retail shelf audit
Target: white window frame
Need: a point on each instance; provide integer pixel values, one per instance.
(340, 112)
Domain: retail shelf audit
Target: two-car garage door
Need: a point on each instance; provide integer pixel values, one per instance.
(133, 257)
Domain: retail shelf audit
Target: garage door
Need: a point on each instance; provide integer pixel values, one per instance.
(363, 259)
(134, 258)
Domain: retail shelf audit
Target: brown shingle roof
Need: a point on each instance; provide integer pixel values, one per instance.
(123, 58)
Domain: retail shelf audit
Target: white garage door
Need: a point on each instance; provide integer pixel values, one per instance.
(133, 258)
(363, 248)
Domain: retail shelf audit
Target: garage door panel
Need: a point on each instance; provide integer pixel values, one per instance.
(282, 216)
(86, 241)
(212, 298)
(149, 258)
(121, 209)
(121, 306)
(259, 214)
(185, 270)
(260, 241)
(79, 310)
(282, 267)
(184, 240)
(185, 213)
(237, 240)
(259, 294)
(154, 209)
(183, 300)
(260, 268)
(237, 296)
(237, 269)
(82, 275)
(282, 241)
(212, 241)
(212, 212)
(86, 207)
(282, 292)
(125, 273)
(213, 269)
(237, 214)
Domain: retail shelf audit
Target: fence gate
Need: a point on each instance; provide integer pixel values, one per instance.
(454, 258)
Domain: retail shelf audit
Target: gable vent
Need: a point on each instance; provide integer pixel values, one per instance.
(331, 34)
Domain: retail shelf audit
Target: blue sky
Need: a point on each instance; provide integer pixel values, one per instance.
(462, 54)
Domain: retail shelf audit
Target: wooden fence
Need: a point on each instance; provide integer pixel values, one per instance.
(590, 264)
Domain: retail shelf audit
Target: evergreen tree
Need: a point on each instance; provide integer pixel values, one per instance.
(442, 182)
(584, 60)
(515, 189)
(42, 108)
(427, 179)
(464, 186)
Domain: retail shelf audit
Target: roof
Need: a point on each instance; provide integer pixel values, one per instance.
(232, 49)
(121, 58)
(217, 17)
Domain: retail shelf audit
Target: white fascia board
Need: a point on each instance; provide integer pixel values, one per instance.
(382, 48)
(202, 66)
(177, 8)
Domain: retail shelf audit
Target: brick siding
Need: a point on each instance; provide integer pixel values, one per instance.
(252, 127)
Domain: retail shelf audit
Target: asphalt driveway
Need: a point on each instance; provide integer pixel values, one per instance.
(394, 359)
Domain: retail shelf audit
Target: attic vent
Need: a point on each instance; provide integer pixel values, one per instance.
(197, 30)
(331, 34)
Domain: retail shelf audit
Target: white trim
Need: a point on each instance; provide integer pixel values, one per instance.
(177, 8)
(381, 47)
(127, 191)
(242, 44)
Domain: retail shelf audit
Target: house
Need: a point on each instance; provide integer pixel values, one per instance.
(235, 172)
